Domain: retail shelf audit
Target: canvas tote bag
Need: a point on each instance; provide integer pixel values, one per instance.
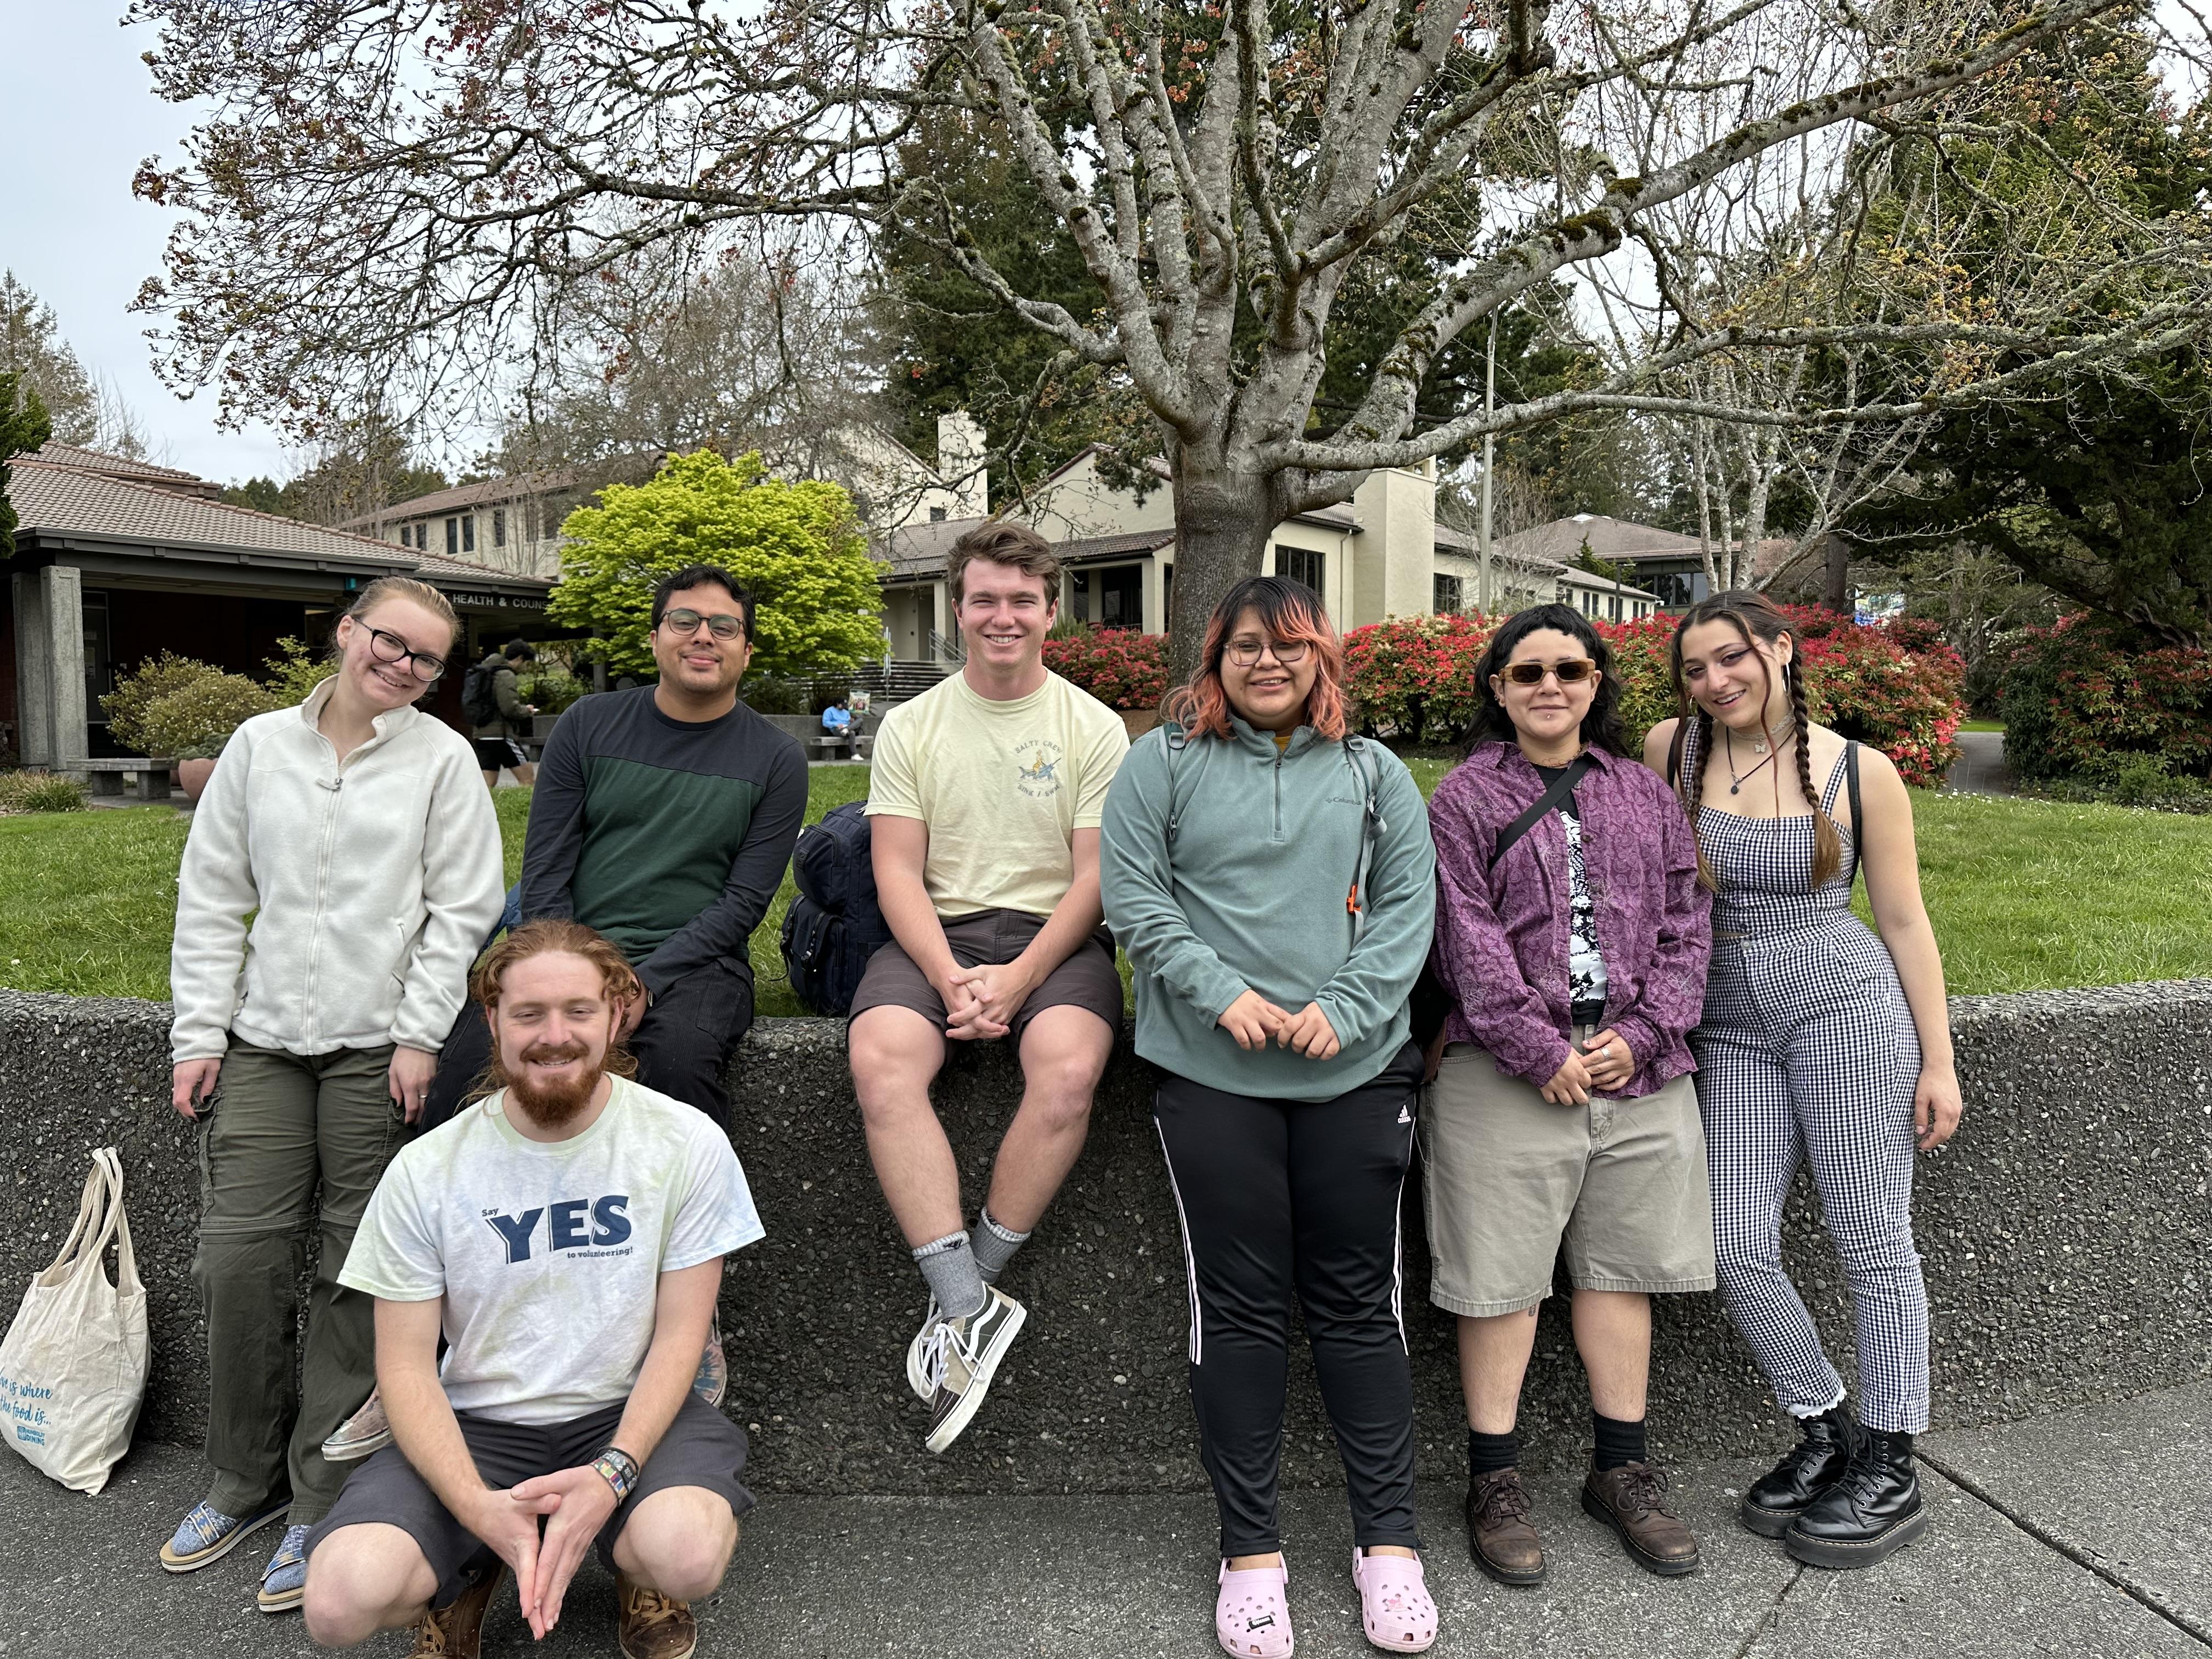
(73, 1365)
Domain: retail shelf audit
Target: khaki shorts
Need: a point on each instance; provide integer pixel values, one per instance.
(1087, 979)
(1510, 1178)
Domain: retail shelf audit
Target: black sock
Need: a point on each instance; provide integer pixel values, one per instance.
(1617, 1442)
(1486, 1454)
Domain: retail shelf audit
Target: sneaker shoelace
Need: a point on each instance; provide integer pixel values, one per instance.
(935, 1349)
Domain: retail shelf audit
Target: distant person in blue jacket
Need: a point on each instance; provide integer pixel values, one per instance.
(837, 720)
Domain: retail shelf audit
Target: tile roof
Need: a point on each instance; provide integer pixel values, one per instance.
(471, 495)
(57, 494)
(124, 466)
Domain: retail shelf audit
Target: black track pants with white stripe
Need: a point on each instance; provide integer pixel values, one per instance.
(1283, 1199)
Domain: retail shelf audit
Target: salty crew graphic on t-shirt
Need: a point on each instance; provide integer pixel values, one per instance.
(1038, 764)
(574, 1224)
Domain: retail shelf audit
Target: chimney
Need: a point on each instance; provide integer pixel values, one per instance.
(960, 449)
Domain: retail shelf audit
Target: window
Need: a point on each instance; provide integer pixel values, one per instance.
(1301, 564)
(1121, 595)
(499, 527)
(1167, 595)
(453, 537)
(1613, 607)
(937, 515)
(1078, 596)
(1677, 587)
(1444, 593)
(469, 533)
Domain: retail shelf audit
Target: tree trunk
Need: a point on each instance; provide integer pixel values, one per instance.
(1223, 520)
(1836, 575)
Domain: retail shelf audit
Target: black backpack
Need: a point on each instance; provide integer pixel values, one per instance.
(480, 694)
(833, 926)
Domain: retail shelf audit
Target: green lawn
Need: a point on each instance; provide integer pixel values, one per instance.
(2025, 894)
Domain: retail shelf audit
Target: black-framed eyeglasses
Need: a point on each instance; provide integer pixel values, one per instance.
(390, 647)
(1245, 652)
(1573, 672)
(685, 620)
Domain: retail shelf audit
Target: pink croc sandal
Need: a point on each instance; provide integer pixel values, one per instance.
(1252, 1614)
(1396, 1608)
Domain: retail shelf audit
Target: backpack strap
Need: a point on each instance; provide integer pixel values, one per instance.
(1561, 787)
(1371, 829)
(1176, 737)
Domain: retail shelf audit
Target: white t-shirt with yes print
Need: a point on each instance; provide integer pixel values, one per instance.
(549, 1255)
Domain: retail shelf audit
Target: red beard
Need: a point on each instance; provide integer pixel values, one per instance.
(553, 1105)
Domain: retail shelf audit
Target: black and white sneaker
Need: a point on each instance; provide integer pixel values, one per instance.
(959, 1360)
(917, 1378)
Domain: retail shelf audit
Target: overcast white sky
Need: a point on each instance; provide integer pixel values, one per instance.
(77, 114)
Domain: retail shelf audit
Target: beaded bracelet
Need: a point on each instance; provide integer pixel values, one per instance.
(618, 1469)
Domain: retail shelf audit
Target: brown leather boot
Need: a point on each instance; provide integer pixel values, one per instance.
(456, 1630)
(652, 1626)
(1505, 1544)
(1632, 1500)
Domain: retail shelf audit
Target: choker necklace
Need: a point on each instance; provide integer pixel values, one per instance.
(1737, 780)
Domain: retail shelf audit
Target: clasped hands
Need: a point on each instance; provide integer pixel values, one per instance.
(1604, 1062)
(574, 1504)
(1253, 1020)
(980, 1003)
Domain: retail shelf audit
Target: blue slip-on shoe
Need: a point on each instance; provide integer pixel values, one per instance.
(207, 1535)
(284, 1580)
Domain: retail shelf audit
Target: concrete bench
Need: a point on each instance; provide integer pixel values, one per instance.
(148, 779)
(827, 747)
(2065, 1233)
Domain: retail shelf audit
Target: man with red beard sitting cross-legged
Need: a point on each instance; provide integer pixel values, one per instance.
(566, 1232)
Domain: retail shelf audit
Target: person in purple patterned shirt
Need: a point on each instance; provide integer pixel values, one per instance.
(1571, 942)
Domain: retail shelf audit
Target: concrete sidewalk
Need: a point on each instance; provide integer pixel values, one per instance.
(2081, 1533)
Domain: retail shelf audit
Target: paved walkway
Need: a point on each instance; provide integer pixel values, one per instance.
(2081, 1533)
(1981, 768)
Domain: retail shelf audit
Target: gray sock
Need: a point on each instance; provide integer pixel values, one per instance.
(994, 1246)
(950, 1267)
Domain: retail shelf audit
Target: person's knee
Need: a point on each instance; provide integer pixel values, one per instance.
(682, 1547)
(355, 1585)
(1062, 1081)
(891, 1070)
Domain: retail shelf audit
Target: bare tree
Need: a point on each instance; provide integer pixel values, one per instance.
(408, 181)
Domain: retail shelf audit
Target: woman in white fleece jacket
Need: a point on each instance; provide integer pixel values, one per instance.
(355, 833)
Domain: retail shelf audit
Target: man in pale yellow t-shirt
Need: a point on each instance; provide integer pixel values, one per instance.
(984, 804)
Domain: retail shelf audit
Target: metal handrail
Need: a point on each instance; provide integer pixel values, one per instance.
(947, 650)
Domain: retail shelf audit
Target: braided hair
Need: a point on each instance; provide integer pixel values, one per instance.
(1754, 617)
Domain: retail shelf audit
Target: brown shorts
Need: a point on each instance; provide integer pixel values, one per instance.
(1087, 979)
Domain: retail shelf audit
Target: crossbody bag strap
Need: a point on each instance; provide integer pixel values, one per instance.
(1561, 787)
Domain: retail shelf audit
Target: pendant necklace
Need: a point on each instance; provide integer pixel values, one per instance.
(1737, 780)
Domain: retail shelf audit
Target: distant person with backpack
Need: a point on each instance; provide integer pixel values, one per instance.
(1571, 940)
(1271, 880)
(984, 807)
(498, 717)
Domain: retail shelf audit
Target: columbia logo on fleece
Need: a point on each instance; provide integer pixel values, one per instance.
(565, 1225)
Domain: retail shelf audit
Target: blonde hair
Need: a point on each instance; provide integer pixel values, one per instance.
(415, 592)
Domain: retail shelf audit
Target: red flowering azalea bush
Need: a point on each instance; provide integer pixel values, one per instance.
(1415, 675)
(2082, 700)
(1120, 667)
(1414, 678)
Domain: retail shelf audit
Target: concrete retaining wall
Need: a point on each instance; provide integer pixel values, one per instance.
(2068, 1238)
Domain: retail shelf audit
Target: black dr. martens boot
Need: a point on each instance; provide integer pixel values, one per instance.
(1818, 1459)
(1869, 1515)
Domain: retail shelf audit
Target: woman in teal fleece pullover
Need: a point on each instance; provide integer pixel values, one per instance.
(1272, 882)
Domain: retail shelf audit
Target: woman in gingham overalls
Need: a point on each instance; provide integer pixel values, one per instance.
(1819, 1040)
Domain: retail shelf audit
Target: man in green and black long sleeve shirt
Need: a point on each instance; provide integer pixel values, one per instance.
(664, 817)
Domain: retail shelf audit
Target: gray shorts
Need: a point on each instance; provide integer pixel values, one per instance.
(1511, 1181)
(702, 1447)
(1087, 979)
